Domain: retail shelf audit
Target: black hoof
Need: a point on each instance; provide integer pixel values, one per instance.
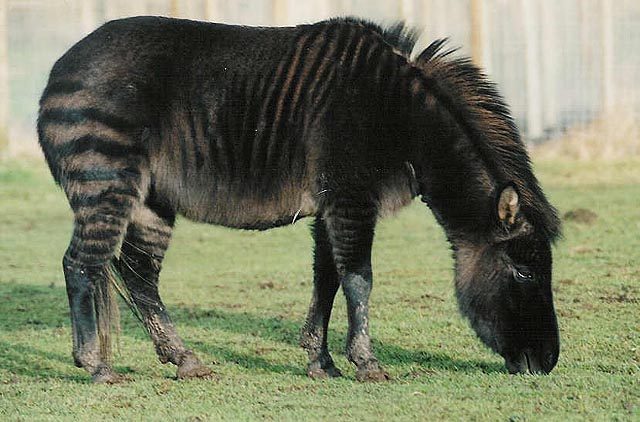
(106, 375)
(322, 373)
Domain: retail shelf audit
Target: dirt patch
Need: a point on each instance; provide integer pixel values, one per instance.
(567, 313)
(582, 250)
(567, 282)
(581, 215)
(263, 350)
(430, 296)
(267, 285)
(621, 298)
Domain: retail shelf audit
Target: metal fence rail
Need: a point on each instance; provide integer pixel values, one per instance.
(559, 63)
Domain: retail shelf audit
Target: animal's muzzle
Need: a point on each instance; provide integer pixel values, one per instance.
(532, 362)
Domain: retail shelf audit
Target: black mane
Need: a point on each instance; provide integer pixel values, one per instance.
(398, 35)
(474, 101)
(491, 129)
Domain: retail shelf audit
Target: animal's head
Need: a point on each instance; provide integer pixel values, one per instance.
(503, 286)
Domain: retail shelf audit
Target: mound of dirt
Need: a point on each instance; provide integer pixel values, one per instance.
(581, 215)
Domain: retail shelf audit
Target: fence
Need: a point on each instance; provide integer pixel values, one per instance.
(559, 63)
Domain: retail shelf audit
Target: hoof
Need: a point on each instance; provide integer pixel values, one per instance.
(322, 373)
(193, 368)
(372, 375)
(194, 371)
(105, 375)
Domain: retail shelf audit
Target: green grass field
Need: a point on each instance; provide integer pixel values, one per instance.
(239, 299)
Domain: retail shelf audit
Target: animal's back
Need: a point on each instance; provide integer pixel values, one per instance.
(222, 123)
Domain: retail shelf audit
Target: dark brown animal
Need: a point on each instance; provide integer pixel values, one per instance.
(253, 128)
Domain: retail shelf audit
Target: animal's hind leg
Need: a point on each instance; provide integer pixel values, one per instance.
(102, 202)
(325, 286)
(86, 286)
(95, 153)
(139, 264)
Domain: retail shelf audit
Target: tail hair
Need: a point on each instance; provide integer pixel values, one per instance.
(107, 313)
(107, 310)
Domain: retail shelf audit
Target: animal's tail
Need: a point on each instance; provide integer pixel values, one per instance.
(107, 312)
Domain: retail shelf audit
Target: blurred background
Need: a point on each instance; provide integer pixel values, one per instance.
(568, 68)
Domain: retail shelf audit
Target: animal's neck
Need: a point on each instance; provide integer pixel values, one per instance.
(453, 178)
(463, 144)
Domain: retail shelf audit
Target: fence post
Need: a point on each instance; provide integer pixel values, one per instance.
(336, 8)
(480, 45)
(607, 57)
(213, 11)
(193, 10)
(408, 11)
(174, 8)
(4, 76)
(476, 32)
(549, 58)
(423, 19)
(532, 71)
(88, 15)
(280, 12)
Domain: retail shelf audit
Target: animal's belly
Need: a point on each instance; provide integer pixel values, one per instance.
(252, 210)
(259, 208)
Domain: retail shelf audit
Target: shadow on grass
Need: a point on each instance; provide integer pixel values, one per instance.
(32, 362)
(287, 332)
(43, 308)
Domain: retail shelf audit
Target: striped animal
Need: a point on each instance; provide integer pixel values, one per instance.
(253, 128)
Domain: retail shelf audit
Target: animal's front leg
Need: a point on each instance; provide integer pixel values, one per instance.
(357, 288)
(350, 226)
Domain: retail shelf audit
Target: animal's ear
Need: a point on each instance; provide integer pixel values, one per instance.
(512, 223)
(508, 205)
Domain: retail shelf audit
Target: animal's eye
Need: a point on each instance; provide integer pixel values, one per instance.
(522, 274)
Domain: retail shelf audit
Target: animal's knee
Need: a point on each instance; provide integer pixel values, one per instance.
(357, 286)
(78, 276)
(87, 269)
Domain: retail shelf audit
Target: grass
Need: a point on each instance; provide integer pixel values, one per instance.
(239, 299)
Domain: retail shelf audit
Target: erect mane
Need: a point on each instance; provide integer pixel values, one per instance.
(398, 35)
(474, 102)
